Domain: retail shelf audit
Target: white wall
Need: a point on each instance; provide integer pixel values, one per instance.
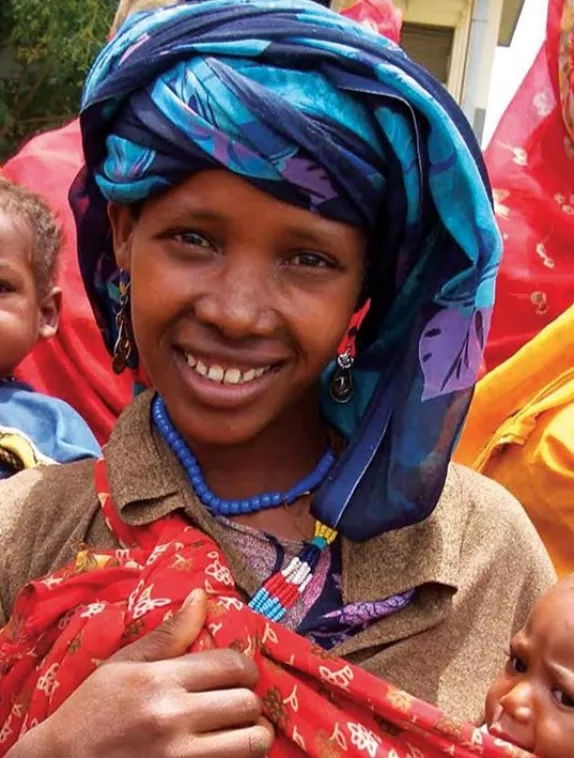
(512, 63)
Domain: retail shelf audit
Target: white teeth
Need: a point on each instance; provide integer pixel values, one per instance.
(215, 373)
(218, 374)
(232, 376)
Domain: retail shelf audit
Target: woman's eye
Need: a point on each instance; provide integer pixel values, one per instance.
(517, 664)
(6, 287)
(194, 239)
(565, 700)
(312, 260)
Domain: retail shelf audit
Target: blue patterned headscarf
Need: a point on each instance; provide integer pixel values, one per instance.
(321, 113)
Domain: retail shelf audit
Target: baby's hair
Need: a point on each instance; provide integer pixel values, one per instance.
(19, 203)
(127, 7)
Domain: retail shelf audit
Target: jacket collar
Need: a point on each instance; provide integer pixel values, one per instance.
(147, 483)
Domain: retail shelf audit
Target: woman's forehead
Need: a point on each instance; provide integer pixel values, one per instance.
(218, 196)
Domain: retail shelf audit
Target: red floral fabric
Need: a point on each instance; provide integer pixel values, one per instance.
(531, 165)
(64, 625)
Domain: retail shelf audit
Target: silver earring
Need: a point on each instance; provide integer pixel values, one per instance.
(341, 388)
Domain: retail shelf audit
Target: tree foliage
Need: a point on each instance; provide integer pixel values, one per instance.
(46, 48)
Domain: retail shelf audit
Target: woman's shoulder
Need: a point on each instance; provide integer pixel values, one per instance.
(481, 497)
(496, 527)
(45, 489)
(44, 513)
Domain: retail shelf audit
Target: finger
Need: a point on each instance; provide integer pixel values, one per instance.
(210, 670)
(223, 709)
(172, 638)
(251, 742)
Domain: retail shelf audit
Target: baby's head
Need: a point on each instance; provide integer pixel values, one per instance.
(30, 241)
(531, 704)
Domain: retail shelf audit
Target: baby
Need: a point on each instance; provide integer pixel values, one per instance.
(34, 429)
(531, 704)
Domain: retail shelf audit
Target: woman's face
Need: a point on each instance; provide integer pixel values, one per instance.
(238, 301)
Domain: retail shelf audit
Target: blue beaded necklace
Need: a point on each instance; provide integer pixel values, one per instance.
(219, 505)
(283, 588)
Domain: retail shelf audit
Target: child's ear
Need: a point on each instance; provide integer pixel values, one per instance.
(50, 308)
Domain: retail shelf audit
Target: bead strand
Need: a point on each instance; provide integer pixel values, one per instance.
(283, 588)
(220, 505)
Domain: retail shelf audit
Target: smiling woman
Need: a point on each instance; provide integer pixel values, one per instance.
(252, 282)
(286, 225)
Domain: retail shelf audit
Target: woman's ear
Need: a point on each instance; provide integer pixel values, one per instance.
(122, 222)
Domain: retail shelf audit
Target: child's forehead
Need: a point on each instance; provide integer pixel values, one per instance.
(16, 239)
(551, 624)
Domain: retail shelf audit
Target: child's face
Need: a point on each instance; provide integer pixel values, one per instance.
(24, 316)
(531, 704)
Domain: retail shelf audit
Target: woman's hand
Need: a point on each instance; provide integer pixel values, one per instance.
(151, 699)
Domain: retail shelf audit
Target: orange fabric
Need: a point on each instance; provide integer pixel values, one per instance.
(520, 431)
(74, 365)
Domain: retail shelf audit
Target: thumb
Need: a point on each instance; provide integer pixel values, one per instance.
(172, 638)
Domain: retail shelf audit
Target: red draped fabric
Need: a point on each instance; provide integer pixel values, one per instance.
(74, 365)
(531, 164)
(321, 706)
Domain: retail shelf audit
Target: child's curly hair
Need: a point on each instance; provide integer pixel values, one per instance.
(28, 208)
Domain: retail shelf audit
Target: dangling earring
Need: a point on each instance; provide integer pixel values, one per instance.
(341, 388)
(123, 344)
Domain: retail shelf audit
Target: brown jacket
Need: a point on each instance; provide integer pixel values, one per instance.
(476, 560)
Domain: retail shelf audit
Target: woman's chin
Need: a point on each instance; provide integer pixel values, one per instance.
(203, 426)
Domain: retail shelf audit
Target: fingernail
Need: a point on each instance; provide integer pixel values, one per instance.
(193, 597)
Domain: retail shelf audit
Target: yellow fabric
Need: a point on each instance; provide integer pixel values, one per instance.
(520, 432)
(21, 447)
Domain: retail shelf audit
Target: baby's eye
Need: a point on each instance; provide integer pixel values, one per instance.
(193, 238)
(517, 664)
(565, 700)
(6, 287)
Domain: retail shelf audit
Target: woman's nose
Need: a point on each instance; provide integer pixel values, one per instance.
(238, 304)
(518, 702)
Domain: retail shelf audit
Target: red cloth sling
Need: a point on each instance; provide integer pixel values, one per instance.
(322, 706)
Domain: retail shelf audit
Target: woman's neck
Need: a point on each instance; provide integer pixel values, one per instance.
(274, 461)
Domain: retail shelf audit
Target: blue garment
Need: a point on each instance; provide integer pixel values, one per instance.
(54, 427)
(321, 113)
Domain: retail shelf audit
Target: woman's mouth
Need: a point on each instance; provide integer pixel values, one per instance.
(220, 375)
(219, 384)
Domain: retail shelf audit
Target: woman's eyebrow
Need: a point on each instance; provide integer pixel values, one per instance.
(183, 213)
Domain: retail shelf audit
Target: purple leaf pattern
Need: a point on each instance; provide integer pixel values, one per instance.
(450, 350)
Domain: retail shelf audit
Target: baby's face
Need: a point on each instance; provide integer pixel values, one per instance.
(19, 307)
(531, 704)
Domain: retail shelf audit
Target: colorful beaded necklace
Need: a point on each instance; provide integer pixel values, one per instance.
(283, 588)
